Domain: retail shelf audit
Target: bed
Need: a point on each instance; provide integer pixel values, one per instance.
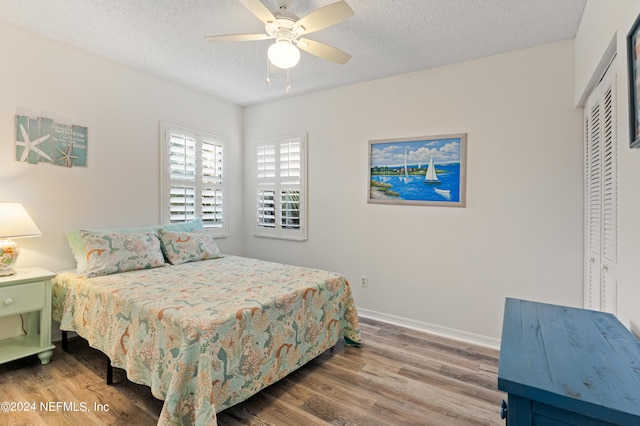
(205, 335)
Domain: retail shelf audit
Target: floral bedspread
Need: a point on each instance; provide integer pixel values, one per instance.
(207, 335)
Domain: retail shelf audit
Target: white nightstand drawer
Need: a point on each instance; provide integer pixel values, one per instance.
(21, 298)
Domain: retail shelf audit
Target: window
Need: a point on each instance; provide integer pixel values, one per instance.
(193, 184)
(280, 171)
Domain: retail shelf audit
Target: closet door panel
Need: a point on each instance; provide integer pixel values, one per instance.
(600, 220)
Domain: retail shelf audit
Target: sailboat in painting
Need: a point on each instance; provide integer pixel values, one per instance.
(407, 179)
(443, 192)
(431, 175)
(385, 176)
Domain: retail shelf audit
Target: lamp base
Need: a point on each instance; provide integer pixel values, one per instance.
(9, 252)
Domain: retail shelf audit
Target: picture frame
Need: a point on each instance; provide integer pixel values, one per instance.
(43, 140)
(633, 56)
(425, 170)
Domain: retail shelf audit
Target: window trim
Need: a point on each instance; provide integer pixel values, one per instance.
(166, 129)
(278, 232)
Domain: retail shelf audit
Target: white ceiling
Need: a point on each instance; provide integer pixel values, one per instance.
(384, 37)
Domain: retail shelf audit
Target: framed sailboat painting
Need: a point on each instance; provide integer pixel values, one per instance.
(426, 170)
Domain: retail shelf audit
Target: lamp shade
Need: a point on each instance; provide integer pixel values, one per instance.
(15, 222)
(283, 54)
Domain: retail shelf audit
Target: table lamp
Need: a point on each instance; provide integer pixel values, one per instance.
(15, 222)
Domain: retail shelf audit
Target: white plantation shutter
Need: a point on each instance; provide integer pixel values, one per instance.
(265, 159)
(600, 275)
(182, 175)
(193, 183)
(212, 202)
(290, 181)
(266, 208)
(280, 170)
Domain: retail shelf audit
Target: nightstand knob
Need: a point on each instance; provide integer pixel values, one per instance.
(8, 301)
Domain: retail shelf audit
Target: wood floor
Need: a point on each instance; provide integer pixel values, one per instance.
(399, 377)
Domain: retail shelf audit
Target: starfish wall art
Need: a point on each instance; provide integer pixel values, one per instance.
(42, 140)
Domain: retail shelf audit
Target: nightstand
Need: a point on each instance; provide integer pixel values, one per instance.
(28, 293)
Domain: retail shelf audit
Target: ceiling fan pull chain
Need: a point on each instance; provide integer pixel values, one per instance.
(288, 86)
(268, 80)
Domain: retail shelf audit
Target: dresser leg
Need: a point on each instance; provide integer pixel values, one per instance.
(45, 357)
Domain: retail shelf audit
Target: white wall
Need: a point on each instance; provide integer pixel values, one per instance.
(606, 23)
(521, 232)
(122, 109)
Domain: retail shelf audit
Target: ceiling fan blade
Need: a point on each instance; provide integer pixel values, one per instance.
(237, 37)
(323, 51)
(324, 17)
(259, 9)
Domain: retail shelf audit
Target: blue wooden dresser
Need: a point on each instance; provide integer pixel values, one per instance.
(567, 366)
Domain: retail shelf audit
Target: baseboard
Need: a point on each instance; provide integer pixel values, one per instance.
(452, 333)
(56, 334)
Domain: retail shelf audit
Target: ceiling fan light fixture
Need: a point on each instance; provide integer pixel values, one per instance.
(283, 54)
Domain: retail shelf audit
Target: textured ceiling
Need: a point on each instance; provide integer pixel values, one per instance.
(384, 37)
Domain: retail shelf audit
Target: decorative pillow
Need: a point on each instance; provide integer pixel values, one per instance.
(77, 243)
(191, 225)
(182, 247)
(120, 252)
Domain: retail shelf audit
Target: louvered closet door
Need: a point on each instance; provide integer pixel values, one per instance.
(600, 286)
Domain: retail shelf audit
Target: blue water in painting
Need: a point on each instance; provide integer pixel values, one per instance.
(417, 190)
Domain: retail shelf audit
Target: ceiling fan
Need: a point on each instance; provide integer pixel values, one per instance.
(287, 29)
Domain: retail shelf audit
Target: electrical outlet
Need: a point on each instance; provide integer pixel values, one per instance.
(363, 281)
